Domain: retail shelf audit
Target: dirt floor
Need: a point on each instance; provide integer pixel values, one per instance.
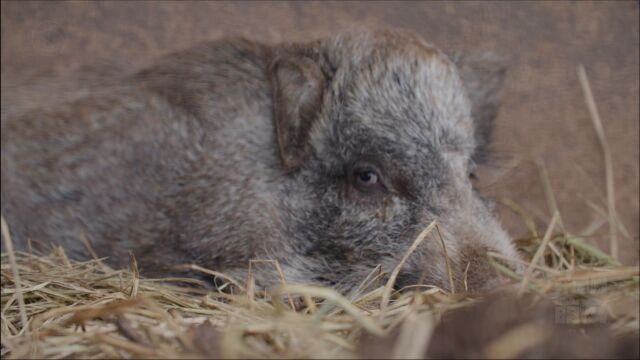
(544, 116)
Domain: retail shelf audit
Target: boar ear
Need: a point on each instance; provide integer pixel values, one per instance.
(298, 85)
(482, 74)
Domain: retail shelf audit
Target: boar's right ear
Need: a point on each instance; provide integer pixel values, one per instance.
(298, 85)
(482, 74)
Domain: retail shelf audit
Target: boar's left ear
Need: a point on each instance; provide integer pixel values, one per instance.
(298, 83)
(482, 74)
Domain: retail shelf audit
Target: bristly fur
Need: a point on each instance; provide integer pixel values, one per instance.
(236, 150)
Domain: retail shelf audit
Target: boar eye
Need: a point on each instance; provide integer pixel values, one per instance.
(367, 179)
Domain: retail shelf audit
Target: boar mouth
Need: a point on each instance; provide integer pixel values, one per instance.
(325, 280)
(406, 279)
(471, 272)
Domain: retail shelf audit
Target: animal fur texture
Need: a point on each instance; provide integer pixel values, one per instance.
(329, 157)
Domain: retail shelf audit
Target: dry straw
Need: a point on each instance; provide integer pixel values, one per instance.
(87, 310)
(54, 307)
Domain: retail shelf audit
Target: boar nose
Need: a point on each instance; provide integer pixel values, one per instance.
(476, 272)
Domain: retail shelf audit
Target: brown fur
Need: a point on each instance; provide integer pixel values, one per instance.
(235, 150)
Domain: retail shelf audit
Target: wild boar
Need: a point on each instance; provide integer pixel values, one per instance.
(328, 156)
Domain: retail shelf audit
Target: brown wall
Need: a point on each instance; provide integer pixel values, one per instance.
(544, 115)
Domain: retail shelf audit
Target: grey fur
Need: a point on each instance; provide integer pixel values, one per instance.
(235, 150)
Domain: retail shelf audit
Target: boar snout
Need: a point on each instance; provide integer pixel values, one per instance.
(467, 263)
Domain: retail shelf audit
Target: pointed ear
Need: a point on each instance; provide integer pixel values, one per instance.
(483, 75)
(298, 85)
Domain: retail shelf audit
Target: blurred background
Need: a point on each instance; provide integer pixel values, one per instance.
(55, 48)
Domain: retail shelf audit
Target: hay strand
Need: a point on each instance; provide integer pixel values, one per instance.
(608, 163)
(16, 273)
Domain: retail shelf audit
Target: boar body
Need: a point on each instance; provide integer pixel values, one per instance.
(329, 156)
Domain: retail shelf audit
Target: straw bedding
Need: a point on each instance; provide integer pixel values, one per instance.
(88, 310)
